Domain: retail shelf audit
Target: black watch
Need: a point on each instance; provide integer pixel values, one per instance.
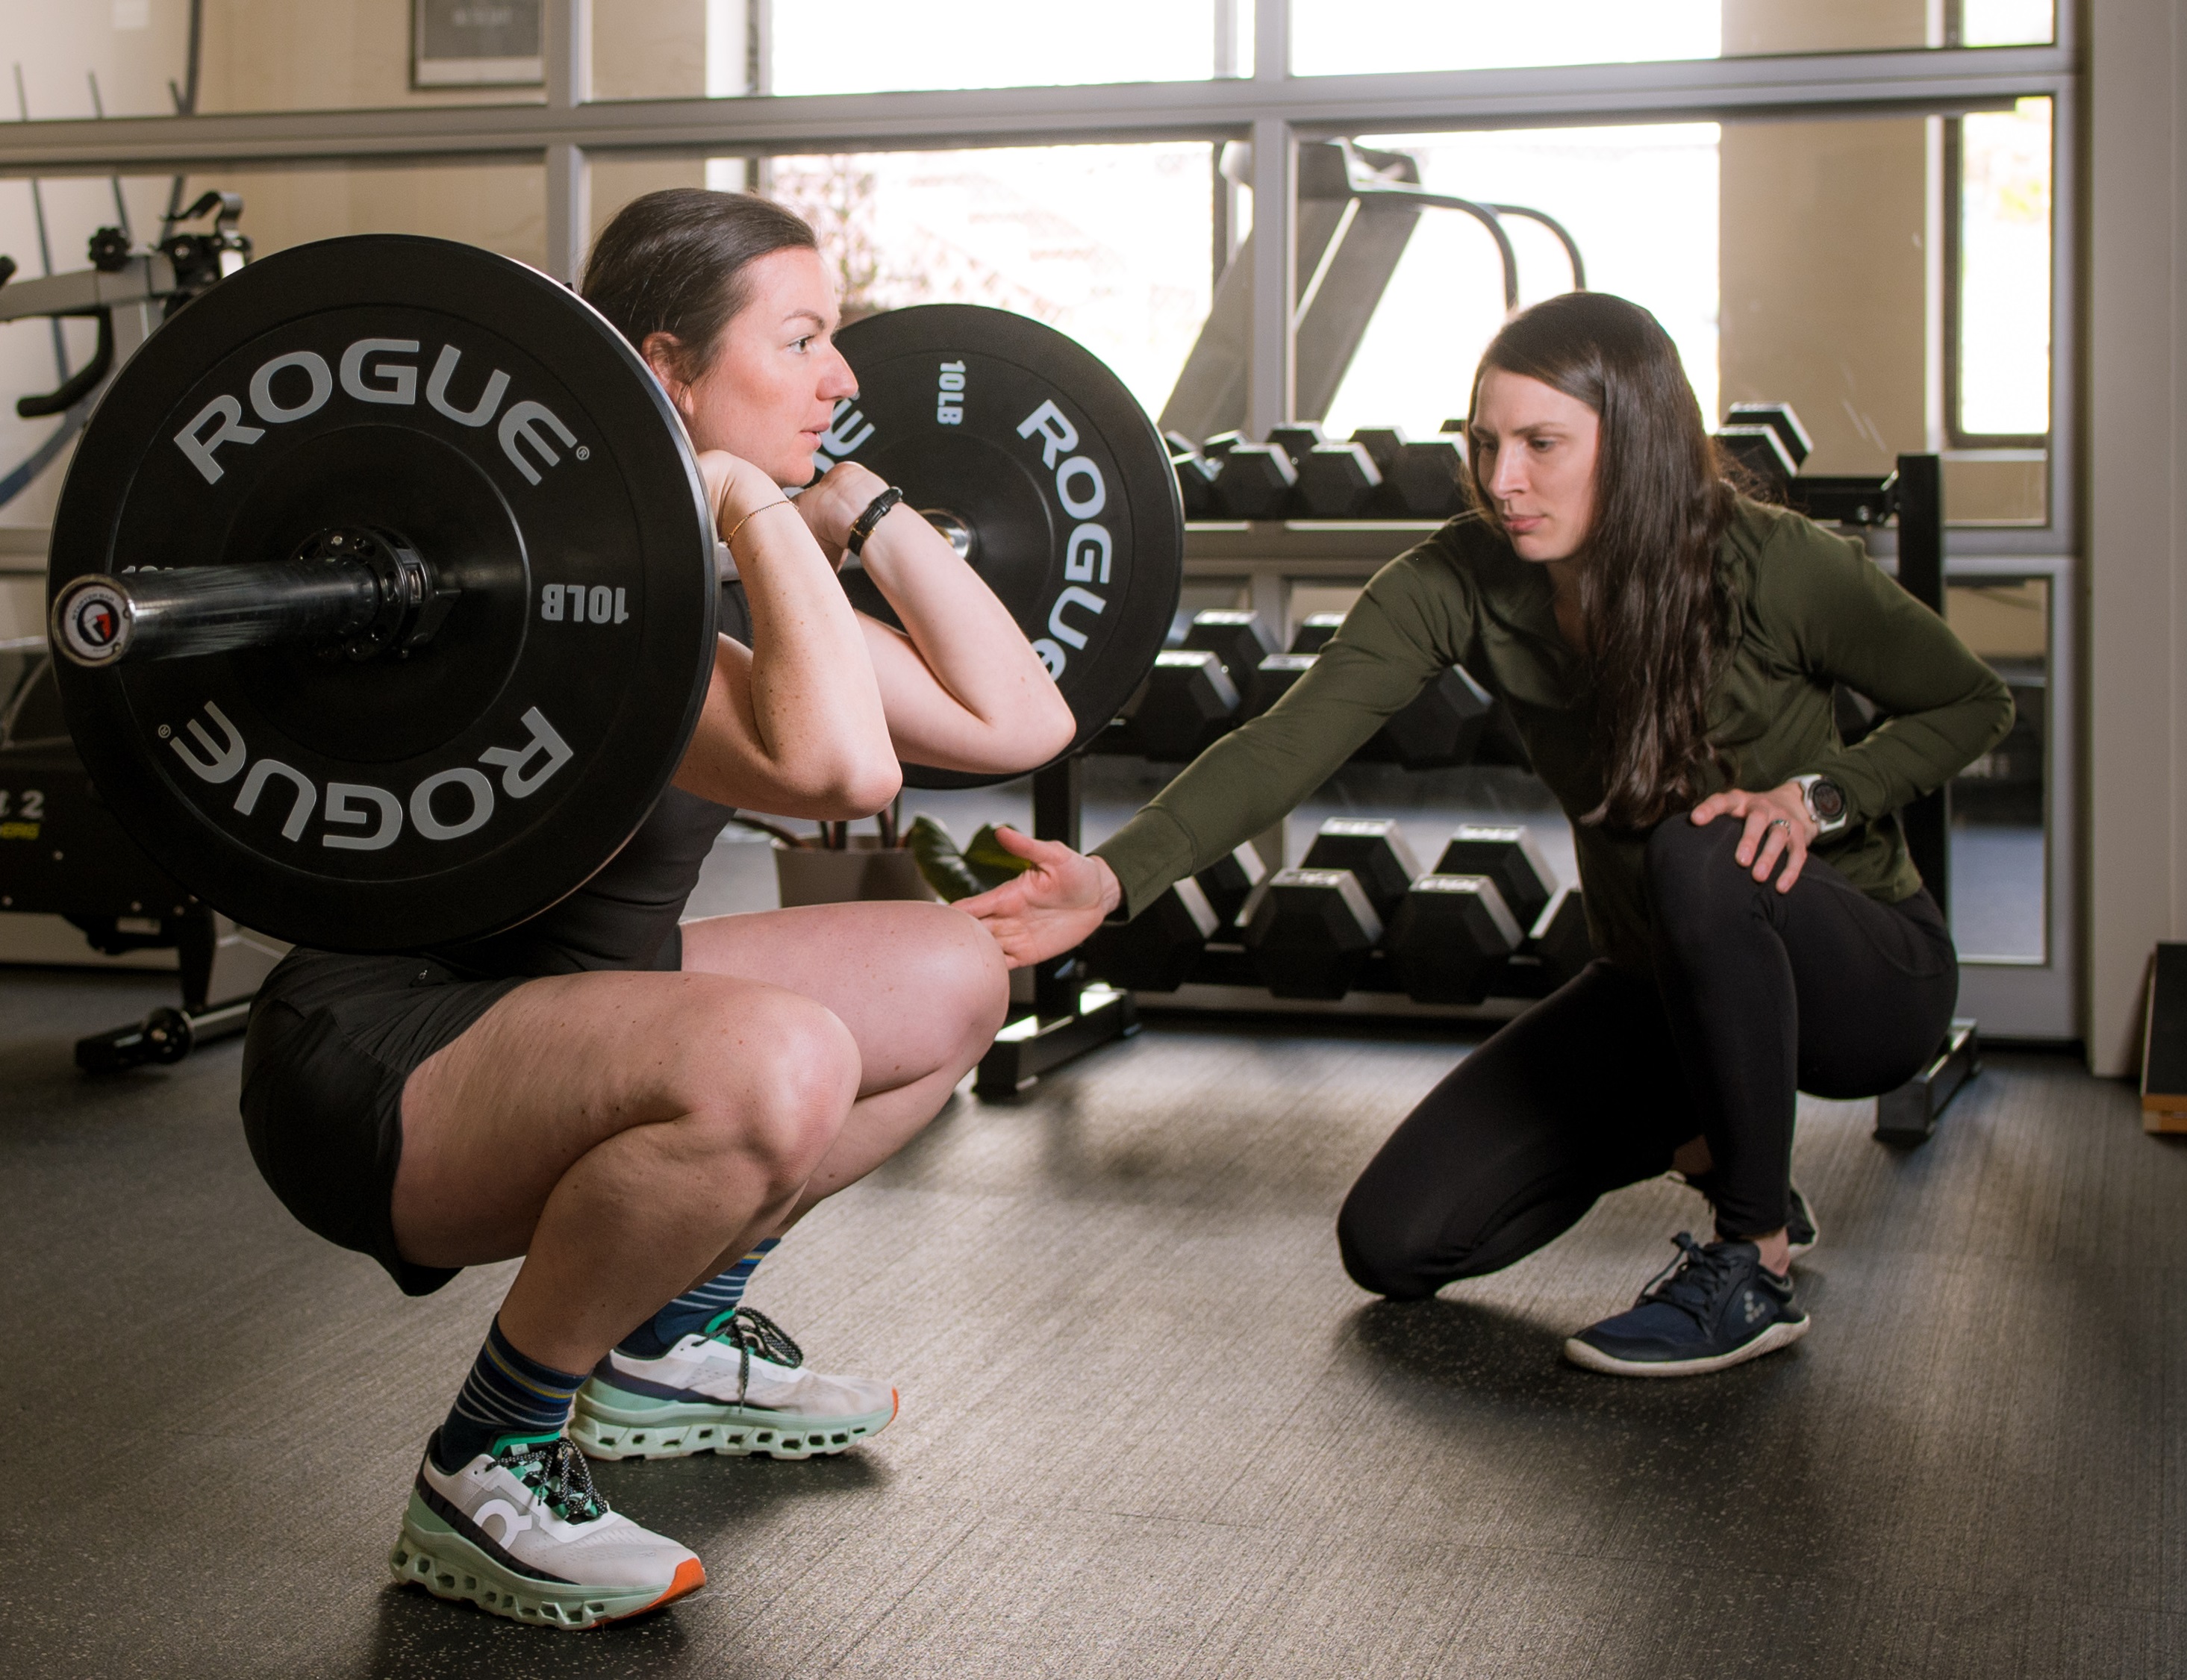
(1825, 801)
(876, 510)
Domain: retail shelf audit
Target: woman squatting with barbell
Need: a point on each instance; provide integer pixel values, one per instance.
(1667, 649)
(641, 1111)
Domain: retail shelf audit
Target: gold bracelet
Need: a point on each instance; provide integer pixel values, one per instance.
(779, 501)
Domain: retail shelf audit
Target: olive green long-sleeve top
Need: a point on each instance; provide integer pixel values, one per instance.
(1809, 610)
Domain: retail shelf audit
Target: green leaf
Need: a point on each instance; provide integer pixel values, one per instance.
(985, 859)
(939, 860)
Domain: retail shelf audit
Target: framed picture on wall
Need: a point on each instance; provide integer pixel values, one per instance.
(474, 43)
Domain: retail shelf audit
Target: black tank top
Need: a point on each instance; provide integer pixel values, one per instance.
(624, 918)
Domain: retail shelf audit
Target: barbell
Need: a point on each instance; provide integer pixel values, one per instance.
(386, 594)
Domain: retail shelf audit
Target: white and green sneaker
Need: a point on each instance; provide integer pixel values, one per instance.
(520, 1532)
(742, 1388)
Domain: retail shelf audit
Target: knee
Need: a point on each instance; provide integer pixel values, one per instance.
(1692, 871)
(766, 1084)
(1376, 1257)
(954, 970)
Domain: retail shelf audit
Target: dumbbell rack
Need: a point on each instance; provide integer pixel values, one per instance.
(1222, 981)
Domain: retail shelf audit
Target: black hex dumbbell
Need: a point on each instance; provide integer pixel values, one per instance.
(1309, 932)
(1451, 939)
(1779, 418)
(1216, 448)
(1762, 451)
(1229, 881)
(1296, 440)
(1274, 677)
(1338, 481)
(1187, 703)
(1374, 849)
(1554, 953)
(1507, 855)
(1426, 480)
(1381, 444)
(1560, 940)
(1439, 729)
(1156, 950)
(1239, 640)
(1196, 476)
(1254, 481)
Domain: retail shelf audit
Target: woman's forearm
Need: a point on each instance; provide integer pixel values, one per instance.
(796, 724)
(977, 688)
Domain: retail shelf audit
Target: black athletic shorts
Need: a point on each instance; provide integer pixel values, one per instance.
(332, 1040)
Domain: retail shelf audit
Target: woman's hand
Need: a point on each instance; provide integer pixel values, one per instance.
(1778, 826)
(1052, 906)
(831, 505)
(962, 687)
(735, 489)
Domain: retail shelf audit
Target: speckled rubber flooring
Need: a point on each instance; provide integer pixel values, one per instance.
(1149, 1428)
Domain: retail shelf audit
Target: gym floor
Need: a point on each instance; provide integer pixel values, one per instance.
(1149, 1428)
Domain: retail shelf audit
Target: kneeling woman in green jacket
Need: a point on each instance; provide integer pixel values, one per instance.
(1668, 650)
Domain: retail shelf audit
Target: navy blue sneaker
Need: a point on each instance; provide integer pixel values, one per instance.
(1713, 1306)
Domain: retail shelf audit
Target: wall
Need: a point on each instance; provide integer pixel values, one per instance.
(2136, 469)
(1826, 281)
(1825, 26)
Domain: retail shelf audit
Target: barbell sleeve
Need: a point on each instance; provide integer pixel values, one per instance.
(99, 620)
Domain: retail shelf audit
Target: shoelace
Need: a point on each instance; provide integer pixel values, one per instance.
(1697, 1281)
(558, 1475)
(751, 1331)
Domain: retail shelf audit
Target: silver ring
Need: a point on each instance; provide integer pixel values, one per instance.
(1779, 822)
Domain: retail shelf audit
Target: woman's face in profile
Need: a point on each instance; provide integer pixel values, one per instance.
(1533, 453)
(771, 388)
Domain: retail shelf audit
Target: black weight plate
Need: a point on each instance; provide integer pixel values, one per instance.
(1046, 443)
(392, 804)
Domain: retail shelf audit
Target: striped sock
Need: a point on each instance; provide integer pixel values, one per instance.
(696, 1311)
(507, 1393)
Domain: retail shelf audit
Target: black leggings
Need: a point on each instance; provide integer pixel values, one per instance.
(1756, 995)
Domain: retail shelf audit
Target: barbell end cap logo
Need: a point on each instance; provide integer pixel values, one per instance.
(92, 624)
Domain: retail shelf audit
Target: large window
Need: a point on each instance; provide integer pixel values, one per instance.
(725, 49)
(1998, 228)
(1999, 861)
(1357, 37)
(1639, 201)
(1856, 207)
(1108, 244)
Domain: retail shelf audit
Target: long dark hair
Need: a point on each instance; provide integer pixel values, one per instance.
(1656, 614)
(673, 261)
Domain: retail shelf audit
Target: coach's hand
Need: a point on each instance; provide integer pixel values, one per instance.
(1778, 829)
(1052, 906)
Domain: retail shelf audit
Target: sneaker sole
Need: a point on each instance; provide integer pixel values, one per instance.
(1592, 1358)
(618, 1424)
(430, 1555)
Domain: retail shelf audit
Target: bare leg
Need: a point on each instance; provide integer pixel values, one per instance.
(922, 989)
(617, 1130)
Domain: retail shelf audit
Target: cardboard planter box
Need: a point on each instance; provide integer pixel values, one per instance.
(865, 871)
